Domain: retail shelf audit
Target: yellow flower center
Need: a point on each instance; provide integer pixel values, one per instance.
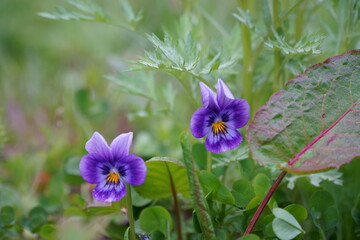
(218, 127)
(113, 177)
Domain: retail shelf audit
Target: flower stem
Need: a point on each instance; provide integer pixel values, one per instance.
(130, 214)
(263, 204)
(275, 14)
(247, 56)
(208, 161)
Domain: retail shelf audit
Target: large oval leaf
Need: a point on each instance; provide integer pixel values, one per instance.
(162, 173)
(313, 124)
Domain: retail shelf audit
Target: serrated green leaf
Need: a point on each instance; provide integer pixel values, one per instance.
(245, 17)
(308, 44)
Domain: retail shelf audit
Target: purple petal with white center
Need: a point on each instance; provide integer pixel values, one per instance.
(224, 95)
(236, 114)
(218, 143)
(97, 144)
(132, 170)
(104, 192)
(120, 146)
(208, 97)
(200, 122)
(90, 168)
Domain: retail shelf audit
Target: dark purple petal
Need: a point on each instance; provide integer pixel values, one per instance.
(200, 122)
(109, 192)
(97, 144)
(90, 168)
(218, 143)
(120, 146)
(208, 97)
(236, 114)
(224, 95)
(132, 170)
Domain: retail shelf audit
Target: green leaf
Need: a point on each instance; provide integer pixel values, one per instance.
(261, 184)
(48, 232)
(309, 126)
(101, 211)
(156, 219)
(37, 218)
(246, 168)
(254, 202)
(126, 234)
(200, 155)
(285, 225)
(245, 17)
(249, 237)
(308, 44)
(321, 200)
(157, 184)
(243, 192)
(211, 184)
(7, 216)
(157, 235)
(130, 15)
(298, 211)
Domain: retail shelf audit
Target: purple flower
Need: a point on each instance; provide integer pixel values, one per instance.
(219, 118)
(111, 167)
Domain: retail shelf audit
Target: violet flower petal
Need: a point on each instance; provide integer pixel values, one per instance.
(200, 122)
(224, 95)
(218, 143)
(109, 192)
(90, 168)
(97, 144)
(237, 112)
(134, 172)
(120, 146)
(208, 97)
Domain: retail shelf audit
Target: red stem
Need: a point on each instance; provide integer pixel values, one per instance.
(263, 204)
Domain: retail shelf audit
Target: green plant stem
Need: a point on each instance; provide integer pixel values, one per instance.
(130, 213)
(266, 37)
(208, 161)
(276, 81)
(200, 205)
(176, 205)
(299, 22)
(247, 76)
(263, 204)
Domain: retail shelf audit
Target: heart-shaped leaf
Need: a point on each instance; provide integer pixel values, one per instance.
(313, 124)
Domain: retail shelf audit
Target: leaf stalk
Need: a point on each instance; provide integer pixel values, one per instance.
(263, 204)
